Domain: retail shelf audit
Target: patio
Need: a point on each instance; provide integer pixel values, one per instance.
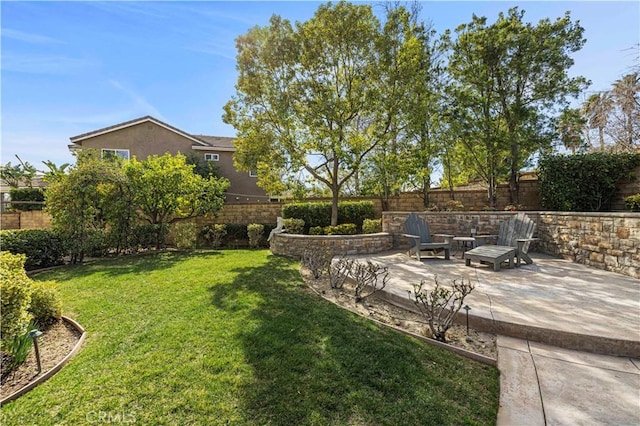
(553, 301)
(555, 320)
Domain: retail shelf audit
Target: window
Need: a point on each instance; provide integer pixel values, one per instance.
(253, 173)
(212, 157)
(113, 153)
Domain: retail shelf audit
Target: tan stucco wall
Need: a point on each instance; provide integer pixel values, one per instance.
(145, 139)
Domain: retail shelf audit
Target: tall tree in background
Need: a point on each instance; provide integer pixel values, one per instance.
(596, 110)
(571, 129)
(318, 97)
(626, 98)
(509, 75)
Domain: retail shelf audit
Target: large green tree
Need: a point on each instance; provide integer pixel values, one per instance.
(319, 96)
(511, 75)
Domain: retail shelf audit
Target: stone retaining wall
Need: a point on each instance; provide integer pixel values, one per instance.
(608, 241)
(294, 244)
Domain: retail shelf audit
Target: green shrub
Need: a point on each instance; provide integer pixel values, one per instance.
(343, 229)
(355, 212)
(147, 236)
(319, 213)
(633, 202)
(255, 231)
(43, 248)
(313, 214)
(27, 194)
(237, 231)
(371, 226)
(214, 234)
(46, 306)
(583, 182)
(185, 235)
(294, 226)
(15, 297)
(316, 230)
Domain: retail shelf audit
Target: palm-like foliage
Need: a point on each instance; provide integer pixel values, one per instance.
(626, 96)
(597, 109)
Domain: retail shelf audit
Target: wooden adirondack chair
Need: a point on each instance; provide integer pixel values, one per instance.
(420, 238)
(514, 238)
(518, 232)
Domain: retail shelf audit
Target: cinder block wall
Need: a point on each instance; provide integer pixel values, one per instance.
(608, 241)
(10, 221)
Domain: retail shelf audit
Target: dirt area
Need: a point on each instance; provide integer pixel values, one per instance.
(56, 342)
(379, 309)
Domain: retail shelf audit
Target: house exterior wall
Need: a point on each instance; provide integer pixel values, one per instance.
(145, 139)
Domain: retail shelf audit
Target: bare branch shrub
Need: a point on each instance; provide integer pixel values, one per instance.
(317, 258)
(440, 305)
(368, 275)
(339, 271)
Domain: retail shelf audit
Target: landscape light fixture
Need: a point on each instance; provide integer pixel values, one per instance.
(34, 334)
(467, 308)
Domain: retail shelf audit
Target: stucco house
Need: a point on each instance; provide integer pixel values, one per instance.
(147, 136)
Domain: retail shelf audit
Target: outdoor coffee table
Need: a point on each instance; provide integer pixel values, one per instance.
(491, 254)
(467, 243)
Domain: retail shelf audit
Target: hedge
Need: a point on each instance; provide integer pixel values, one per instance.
(319, 213)
(43, 248)
(27, 194)
(583, 182)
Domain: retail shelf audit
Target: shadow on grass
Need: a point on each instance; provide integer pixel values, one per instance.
(315, 363)
(115, 266)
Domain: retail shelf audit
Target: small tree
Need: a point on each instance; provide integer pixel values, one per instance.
(440, 305)
(255, 232)
(165, 190)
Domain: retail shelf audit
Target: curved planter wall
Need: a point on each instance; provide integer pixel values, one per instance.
(294, 244)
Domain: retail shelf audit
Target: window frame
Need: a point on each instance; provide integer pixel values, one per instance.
(114, 152)
(215, 156)
(253, 173)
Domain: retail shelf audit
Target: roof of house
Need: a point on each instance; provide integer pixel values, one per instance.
(199, 140)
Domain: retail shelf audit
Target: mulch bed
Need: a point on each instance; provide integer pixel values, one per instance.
(56, 342)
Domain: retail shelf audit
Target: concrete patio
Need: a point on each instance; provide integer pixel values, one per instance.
(569, 335)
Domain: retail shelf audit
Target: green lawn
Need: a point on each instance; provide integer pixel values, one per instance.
(232, 337)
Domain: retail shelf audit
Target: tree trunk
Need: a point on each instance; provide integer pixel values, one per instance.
(334, 206)
(514, 186)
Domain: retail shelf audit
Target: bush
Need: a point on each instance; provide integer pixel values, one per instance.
(633, 202)
(313, 214)
(371, 226)
(46, 306)
(319, 213)
(583, 182)
(214, 234)
(255, 231)
(185, 235)
(454, 205)
(42, 248)
(236, 231)
(15, 297)
(147, 236)
(315, 230)
(294, 226)
(344, 229)
(355, 212)
(27, 194)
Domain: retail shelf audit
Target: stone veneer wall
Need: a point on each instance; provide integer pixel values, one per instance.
(294, 245)
(608, 241)
(34, 219)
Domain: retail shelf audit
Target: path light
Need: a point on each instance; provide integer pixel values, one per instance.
(34, 334)
(467, 308)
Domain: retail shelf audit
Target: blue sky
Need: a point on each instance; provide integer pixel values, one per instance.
(71, 67)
